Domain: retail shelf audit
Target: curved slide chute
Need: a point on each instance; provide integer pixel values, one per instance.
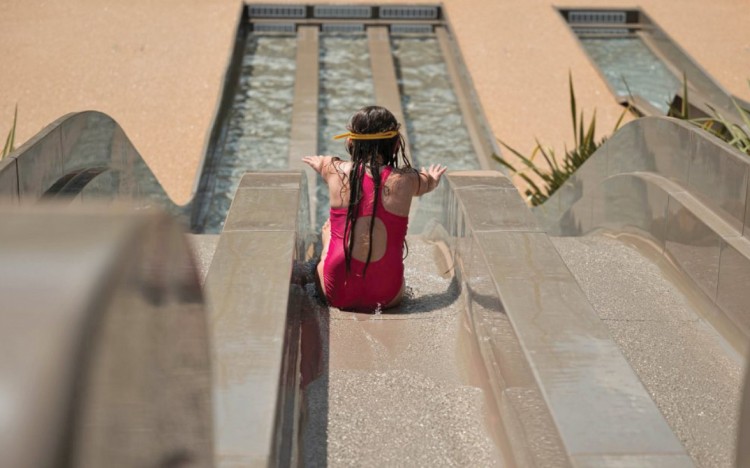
(106, 358)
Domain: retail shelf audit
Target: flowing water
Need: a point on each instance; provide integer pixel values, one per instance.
(345, 86)
(437, 133)
(630, 67)
(259, 121)
(257, 135)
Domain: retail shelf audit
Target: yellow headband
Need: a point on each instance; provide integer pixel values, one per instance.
(367, 136)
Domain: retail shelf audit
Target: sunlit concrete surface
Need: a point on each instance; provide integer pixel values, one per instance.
(525, 98)
(694, 377)
(157, 67)
(676, 303)
(254, 318)
(395, 390)
(685, 192)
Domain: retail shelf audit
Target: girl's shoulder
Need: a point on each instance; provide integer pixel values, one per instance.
(336, 166)
(405, 172)
(341, 165)
(404, 179)
(406, 175)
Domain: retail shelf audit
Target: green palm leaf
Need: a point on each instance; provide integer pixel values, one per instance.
(10, 141)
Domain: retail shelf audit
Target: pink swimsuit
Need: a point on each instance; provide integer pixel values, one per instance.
(384, 276)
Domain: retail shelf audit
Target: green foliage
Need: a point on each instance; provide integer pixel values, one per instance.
(718, 125)
(11, 139)
(728, 131)
(683, 112)
(554, 173)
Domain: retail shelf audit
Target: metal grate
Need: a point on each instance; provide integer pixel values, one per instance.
(343, 28)
(609, 17)
(277, 11)
(274, 27)
(408, 12)
(411, 29)
(342, 11)
(586, 32)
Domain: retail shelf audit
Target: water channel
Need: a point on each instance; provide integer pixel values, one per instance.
(257, 137)
(631, 67)
(259, 121)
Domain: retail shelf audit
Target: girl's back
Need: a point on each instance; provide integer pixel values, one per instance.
(362, 260)
(395, 195)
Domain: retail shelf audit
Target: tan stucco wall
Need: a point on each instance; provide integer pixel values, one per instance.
(157, 67)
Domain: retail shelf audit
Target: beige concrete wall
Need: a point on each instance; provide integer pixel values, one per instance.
(519, 54)
(156, 67)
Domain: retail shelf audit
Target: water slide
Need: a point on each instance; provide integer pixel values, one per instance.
(606, 328)
(646, 69)
(497, 355)
(654, 228)
(106, 358)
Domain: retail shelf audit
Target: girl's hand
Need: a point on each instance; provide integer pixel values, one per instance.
(432, 177)
(435, 172)
(316, 162)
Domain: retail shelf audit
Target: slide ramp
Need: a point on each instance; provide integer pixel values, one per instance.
(654, 227)
(397, 387)
(688, 368)
(515, 327)
(495, 326)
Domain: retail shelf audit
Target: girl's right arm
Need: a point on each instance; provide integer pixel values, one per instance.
(429, 179)
(317, 162)
(321, 164)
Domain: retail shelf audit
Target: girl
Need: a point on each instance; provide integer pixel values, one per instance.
(361, 266)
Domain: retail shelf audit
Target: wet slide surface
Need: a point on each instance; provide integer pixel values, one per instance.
(392, 389)
(686, 366)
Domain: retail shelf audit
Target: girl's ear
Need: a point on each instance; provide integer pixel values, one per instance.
(349, 145)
